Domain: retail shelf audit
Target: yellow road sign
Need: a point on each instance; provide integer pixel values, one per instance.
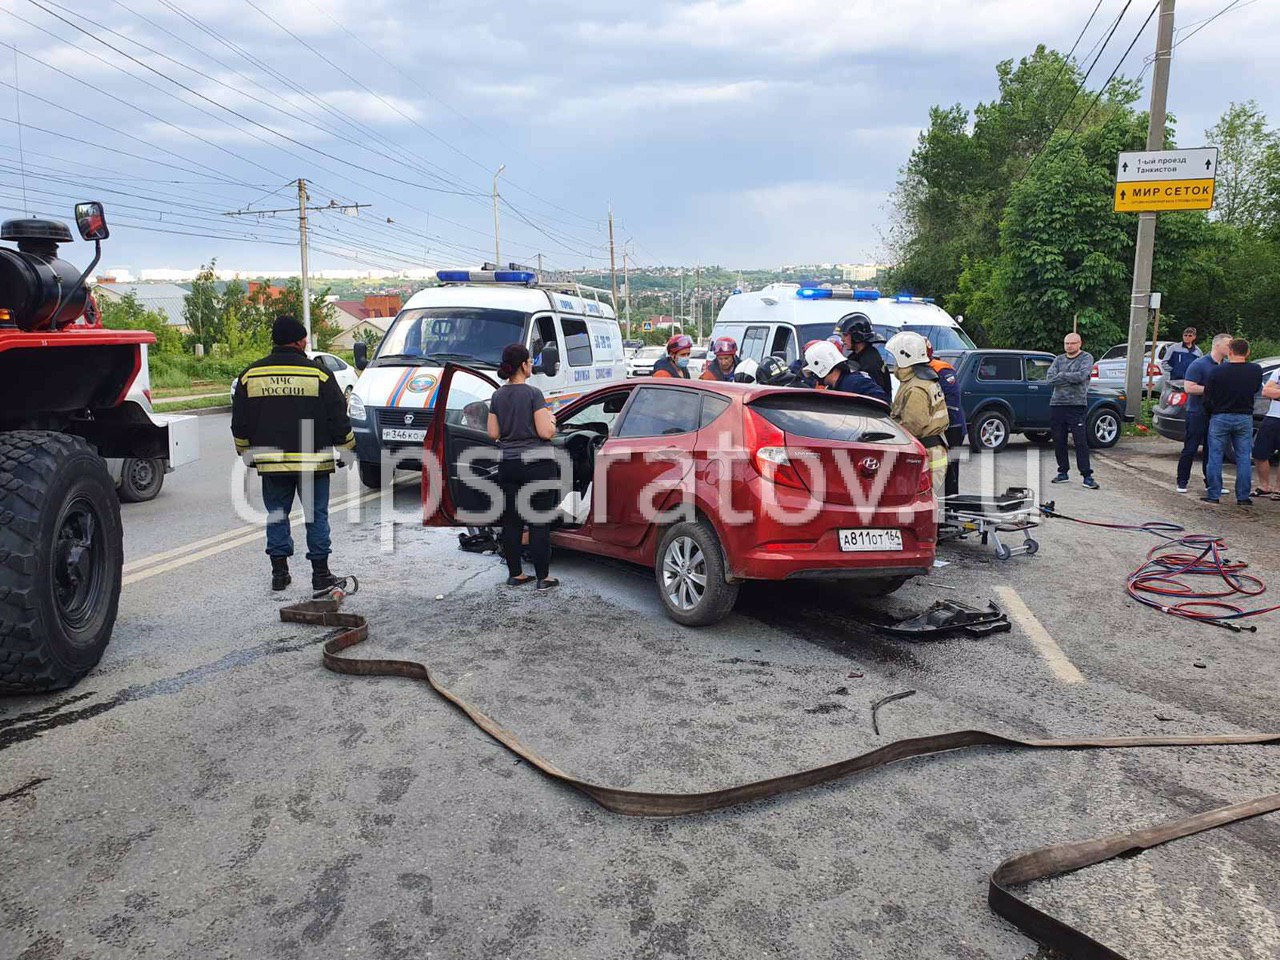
(1159, 195)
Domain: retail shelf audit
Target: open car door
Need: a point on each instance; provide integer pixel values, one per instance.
(460, 462)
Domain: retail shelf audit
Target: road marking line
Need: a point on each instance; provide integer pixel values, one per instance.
(181, 556)
(1045, 645)
(217, 537)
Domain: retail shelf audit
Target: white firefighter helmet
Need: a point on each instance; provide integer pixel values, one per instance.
(745, 371)
(821, 357)
(907, 349)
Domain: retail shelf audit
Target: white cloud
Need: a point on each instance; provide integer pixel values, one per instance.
(648, 100)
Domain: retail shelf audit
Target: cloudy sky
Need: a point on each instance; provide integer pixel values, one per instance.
(739, 132)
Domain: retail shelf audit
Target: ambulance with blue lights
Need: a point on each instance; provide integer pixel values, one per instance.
(571, 332)
(781, 318)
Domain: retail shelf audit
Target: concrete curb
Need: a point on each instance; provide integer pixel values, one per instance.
(199, 411)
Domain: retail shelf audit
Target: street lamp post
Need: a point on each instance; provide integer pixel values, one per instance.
(497, 245)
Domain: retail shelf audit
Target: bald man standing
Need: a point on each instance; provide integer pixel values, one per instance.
(1069, 376)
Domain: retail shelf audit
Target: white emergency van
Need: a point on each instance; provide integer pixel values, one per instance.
(781, 318)
(572, 335)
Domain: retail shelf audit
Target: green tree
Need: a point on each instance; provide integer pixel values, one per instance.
(1246, 164)
(324, 325)
(201, 310)
(128, 314)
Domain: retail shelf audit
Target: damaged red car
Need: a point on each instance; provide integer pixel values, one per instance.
(709, 484)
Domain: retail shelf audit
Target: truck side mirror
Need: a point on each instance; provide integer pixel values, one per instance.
(360, 350)
(550, 364)
(91, 220)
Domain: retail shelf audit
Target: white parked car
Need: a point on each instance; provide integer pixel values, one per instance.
(698, 357)
(640, 363)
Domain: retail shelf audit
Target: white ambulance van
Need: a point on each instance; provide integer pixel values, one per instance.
(781, 318)
(572, 335)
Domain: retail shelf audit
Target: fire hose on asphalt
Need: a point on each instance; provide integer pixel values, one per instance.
(1160, 582)
(349, 629)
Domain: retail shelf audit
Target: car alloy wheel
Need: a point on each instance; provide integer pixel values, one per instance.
(1106, 429)
(684, 573)
(993, 434)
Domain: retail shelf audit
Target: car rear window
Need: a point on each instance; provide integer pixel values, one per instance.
(818, 417)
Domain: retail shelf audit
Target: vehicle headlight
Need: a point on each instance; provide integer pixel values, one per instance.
(355, 408)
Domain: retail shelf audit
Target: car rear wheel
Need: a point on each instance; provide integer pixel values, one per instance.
(140, 480)
(990, 431)
(691, 575)
(1104, 428)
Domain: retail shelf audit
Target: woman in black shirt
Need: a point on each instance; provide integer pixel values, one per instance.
(523, 424)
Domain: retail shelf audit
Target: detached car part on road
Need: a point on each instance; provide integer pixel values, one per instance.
(1003, 392)
(661, 468)
(63, 384)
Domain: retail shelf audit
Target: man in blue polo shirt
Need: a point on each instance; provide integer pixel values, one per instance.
(1196, 437)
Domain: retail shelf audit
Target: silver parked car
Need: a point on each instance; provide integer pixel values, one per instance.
(1109, 371)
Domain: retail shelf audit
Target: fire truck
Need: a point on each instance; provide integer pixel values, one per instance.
(65, 381)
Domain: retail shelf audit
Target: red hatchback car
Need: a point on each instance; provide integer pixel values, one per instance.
(711, 484)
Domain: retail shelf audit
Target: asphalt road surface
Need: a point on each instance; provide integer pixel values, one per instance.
(211, 791)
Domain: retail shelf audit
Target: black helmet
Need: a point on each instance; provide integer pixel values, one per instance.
(773, 372)
(857, 326)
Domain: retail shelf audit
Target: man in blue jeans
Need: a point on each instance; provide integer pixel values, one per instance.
(1229, 395)
(1196, 434)
(288, 415)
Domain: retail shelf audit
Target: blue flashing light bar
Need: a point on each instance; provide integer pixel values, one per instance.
(866, 294)
(487, 276)
(815, 293)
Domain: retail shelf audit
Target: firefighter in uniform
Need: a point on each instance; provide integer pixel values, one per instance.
(955, 411)
(724, 360)
(860, 339)
(833, 371)
(676, 363)
(920, 406)
(288, 415)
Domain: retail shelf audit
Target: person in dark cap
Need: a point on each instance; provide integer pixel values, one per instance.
(288, 415)
(860, 338)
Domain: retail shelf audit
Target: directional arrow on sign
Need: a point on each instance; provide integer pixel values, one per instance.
(1208, 164)
(1125, 167)
(1122, 194)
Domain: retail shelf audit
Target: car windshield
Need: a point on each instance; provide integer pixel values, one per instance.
(942, 338)
(649, 353)
(471, 335)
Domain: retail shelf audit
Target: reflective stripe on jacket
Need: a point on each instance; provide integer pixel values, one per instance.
(288, 413)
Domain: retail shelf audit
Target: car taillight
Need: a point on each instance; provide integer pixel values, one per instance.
(1094, 372)
(926, 477)
(767, 447)
(1177, 399)
(1153, 370)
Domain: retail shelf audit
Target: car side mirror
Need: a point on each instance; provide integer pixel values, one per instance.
(360, 350)
(550, 364)
(91, 220)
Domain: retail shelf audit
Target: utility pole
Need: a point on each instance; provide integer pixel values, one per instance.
(626, 288)
(497, 245)
(697, 298)
(302, 247)
(613, 266)
(539, 266)
(301, 210)
(1144, 253)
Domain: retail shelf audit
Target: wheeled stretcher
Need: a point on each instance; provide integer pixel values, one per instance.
(1012, 512)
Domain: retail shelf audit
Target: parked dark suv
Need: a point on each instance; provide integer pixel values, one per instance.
(1004, 393)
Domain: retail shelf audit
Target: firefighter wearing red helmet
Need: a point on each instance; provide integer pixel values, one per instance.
(724, 360)
(676, 363)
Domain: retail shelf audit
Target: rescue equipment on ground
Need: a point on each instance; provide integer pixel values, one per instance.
(1013, 511)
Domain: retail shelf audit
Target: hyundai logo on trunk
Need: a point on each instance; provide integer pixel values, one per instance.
(868, 466)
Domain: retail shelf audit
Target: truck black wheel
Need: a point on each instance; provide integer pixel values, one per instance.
(60, 560)
(371, 474)
(140, 479)
(691, 575)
